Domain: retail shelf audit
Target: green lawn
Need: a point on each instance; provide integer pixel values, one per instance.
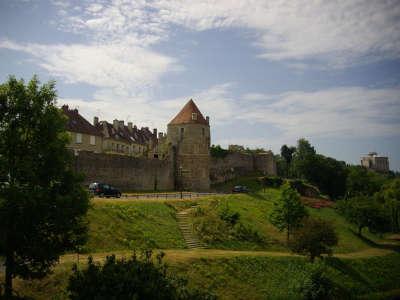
(132, 225)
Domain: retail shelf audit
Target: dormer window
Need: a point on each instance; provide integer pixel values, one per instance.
(194, 116)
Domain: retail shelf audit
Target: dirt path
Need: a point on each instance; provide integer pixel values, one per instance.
(180, 255)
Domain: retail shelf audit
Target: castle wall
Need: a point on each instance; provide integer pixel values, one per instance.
(124, 172)
(237, 164)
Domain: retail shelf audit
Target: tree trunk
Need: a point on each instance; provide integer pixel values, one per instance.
(9, 275)
(288, 235)
(359, 230)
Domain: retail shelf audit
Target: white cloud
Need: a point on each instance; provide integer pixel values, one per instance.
(338, 112)
(122, 66)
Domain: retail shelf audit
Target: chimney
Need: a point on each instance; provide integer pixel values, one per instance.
(95, 121)
(121, 124)
(115, 124)
(208, 120)
(130, 126)
(155, 132)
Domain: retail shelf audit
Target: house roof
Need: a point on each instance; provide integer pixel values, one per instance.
(185, 115)
(77, 123)
(126, 135)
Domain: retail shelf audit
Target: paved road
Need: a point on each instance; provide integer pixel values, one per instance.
(166, 196)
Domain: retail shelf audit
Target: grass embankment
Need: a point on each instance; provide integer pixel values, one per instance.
(252, 277)
(123, 225)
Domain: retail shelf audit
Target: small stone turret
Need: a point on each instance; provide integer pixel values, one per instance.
(189, 138)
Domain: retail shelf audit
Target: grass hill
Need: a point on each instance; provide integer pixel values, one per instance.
(255, 264)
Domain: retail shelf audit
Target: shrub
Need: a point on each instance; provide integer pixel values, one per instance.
(314, 238)
(229, 216)
(129, 279)
(271, 181)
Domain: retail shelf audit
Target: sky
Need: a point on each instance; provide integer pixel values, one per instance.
(266, 72)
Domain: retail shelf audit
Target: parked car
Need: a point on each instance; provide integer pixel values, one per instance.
(240, 189)
(104, 190)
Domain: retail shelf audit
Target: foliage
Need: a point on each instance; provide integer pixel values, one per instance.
(219, 223)
(361, 181)
(391, 197)
(229, 216)
(325, 172)
(271, 181)
(287, 154)
(288, 211)
(303, 188)
(129, 279)
(281, 166)
(315, 237)
(42, 204)
(364, 211)
(313, 283)
(218, 152)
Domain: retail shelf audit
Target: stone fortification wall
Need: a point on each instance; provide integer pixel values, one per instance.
(237, 164)
(124, 172)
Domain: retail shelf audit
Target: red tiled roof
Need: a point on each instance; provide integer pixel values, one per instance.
(122, 133)
(185, 115)
(77, 123)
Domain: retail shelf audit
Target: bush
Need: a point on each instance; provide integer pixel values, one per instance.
(129, 279)
(271, 181)
(218, 152)
(229, 216)
(314, 238)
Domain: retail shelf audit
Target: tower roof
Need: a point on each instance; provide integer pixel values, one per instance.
(185, 116)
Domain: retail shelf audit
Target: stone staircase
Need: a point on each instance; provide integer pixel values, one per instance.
(191, 240)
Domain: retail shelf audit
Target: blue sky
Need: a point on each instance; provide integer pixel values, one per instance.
(266, 72)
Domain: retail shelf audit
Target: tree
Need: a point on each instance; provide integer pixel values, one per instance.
(287, 154)
(391, 196)
(325, 172)
(314, 238)
(361, 181)
(364, 211)
(288, 211)
(42, 204)
(132, 278)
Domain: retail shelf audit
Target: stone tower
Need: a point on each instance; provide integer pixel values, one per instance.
(189, 138)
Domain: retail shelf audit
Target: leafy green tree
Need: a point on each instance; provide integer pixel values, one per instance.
(42, 204)
(132, 278)
(391, 196)
(364, 212)
(287, 154)
(314, 238)
(361, 181)
(288, 211)
(218, 152)
(325, 172)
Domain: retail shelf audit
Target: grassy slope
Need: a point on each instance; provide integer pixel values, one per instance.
(122, 225)
(253, 277)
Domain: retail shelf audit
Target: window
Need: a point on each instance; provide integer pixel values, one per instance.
(79, 138)
(194, 116)
(92, 140)
(182, 131)
(203, 131)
